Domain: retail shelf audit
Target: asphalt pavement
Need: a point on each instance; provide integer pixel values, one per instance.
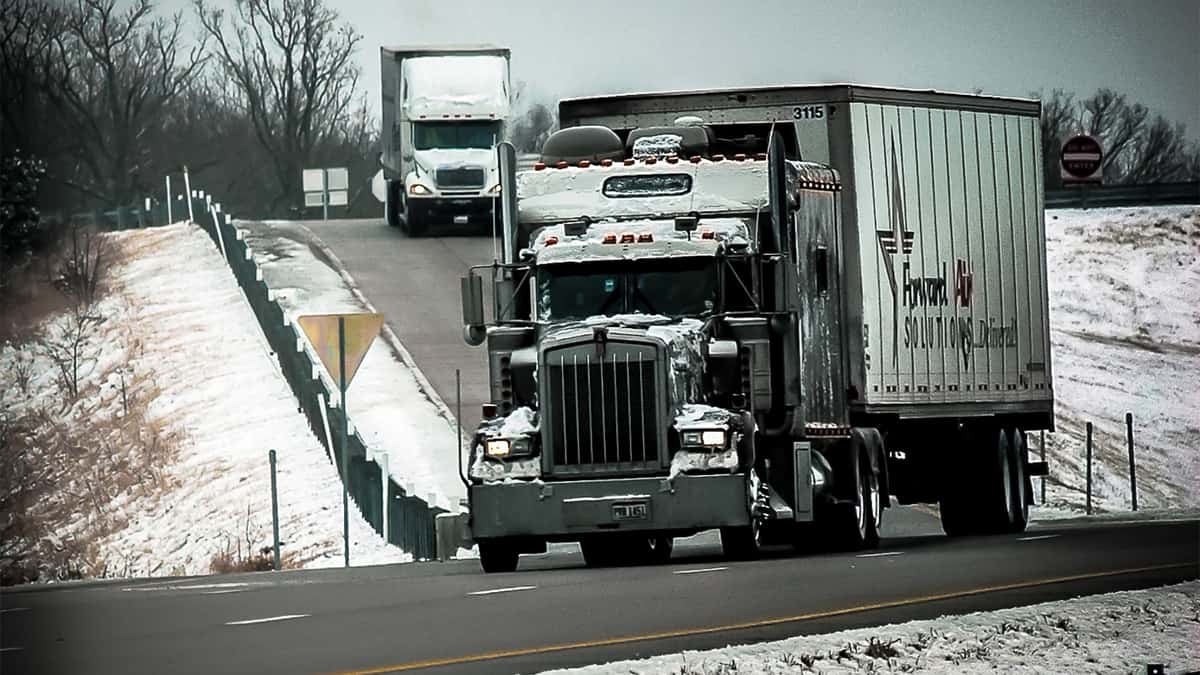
(553, 612)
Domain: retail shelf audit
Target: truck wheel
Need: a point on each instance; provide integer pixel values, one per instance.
(1019, 507)
(996, 475)
(742, 543)
(498, 556)
(391, 206)
(416, 220)
(856, 525)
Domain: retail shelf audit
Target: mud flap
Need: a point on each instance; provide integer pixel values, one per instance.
(802, 481)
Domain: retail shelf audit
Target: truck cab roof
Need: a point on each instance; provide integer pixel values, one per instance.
(638, 240)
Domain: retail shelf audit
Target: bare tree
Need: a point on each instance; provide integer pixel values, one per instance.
(292, 63)
(1111, 119)
(112, 72)
(532, 129)
(27, 30)
(1157, 154)
(1059, 121)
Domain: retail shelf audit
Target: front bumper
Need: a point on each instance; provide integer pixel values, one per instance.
(570, 509)
(450, 206)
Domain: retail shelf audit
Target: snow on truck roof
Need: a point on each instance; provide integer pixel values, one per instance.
(648, 188)
(652, 188)
(441, 85)
(637, 240)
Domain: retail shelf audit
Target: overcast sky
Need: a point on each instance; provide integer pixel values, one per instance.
(1149, 49)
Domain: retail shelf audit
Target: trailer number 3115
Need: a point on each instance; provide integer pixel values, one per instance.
(808, 112)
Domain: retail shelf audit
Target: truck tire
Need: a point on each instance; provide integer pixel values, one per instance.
(742, 543)
(856, 525)
(1018, 455)
(498, 556)
(996, 476)
(416, 220)
(391, 206)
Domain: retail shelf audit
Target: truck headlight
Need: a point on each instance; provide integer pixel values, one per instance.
(495, 189)
(499, 447)
(418, 189)
(713, 438)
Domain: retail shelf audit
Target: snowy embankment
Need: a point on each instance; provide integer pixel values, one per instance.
(1110, 633)
(1125, 331)
(160, 465)
(390, 404)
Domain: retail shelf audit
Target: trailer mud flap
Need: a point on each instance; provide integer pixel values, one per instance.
(802, 481)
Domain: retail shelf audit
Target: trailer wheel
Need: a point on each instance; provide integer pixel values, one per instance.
(1017, 456)
(498, 556)
(981, 499)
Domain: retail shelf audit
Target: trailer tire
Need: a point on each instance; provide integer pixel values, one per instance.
(660, 549)
(1017, 457)
(981, 499)
(498, 555)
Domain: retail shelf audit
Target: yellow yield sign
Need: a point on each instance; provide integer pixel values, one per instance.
(341, 338)
(341, 341)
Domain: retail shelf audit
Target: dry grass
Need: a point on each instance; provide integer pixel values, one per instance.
(76, 449)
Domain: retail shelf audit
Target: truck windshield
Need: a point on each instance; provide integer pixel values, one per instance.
(455, 135)
(680, 287)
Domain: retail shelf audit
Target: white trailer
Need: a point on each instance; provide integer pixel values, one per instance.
(444, 110)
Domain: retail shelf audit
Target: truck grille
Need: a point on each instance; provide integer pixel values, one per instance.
(602, 412)
(460, 178)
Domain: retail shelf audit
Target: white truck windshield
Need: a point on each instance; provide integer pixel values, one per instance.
(455, 135)
(681, 287)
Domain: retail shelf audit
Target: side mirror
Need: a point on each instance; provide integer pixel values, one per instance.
(474, 325)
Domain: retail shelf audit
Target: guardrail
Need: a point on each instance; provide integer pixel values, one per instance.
(411, 519)
(1098, 196)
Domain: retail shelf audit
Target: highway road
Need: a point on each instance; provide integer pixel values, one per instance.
(553, 612)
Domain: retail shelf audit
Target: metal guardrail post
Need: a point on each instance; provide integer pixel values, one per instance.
(1089, 468)
(1042, 446)
(274, 509)
(1132, 468)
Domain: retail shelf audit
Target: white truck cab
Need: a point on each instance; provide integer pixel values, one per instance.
(444, 111)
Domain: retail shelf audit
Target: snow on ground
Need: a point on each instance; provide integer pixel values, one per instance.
(1125, 320)
(390, 405)
(176, 318)
(1111, 633)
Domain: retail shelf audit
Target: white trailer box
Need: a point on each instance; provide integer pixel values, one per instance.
(942, 233)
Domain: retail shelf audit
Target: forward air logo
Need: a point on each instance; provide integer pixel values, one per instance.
(923, 291)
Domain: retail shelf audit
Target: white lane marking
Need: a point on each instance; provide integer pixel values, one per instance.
(882, 554)
(11, 649)
(14, 609)
(223, 591)
(281, 617)
(701, 571)
(503, 590)
(189, 587)
(1040, 536)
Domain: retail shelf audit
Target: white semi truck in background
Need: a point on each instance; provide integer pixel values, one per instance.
(444, 111)
(766, 311)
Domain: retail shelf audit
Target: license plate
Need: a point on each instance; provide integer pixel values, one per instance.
(635, 511)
